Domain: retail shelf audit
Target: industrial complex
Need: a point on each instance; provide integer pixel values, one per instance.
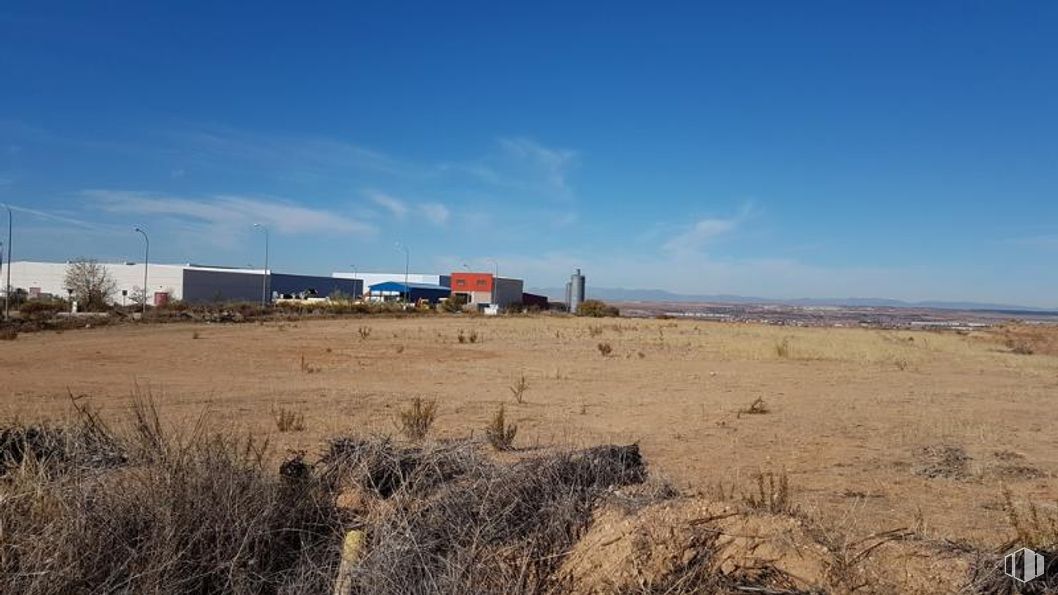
(194, 283)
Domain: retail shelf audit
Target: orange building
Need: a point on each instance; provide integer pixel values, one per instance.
(484, 288)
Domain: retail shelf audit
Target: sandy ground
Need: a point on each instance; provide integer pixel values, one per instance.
(850, 410)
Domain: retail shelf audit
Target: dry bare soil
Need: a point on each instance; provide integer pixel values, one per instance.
(876, 430)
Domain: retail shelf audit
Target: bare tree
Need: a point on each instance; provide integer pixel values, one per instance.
(137, 295)
(90, 283)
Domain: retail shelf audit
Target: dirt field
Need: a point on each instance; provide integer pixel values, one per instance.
(876, 429)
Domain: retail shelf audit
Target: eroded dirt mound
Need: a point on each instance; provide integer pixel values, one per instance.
(691, 545)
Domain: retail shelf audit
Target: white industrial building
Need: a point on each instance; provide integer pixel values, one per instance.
(43, 279)
(187, 282)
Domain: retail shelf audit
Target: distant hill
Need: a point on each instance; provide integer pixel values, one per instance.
(660, 295)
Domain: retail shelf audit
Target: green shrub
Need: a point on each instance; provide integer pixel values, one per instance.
(597, 309)
(453, 304)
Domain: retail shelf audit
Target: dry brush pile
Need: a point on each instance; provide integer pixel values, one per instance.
(90, 507)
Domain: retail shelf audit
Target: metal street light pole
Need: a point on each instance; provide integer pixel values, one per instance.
(264, 277)
(7, 285)
(495, 280)
(407, 259)
(146, 261)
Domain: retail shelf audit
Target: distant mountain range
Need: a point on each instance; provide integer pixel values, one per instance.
(659, 295)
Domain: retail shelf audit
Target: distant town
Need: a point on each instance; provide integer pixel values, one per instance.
(886, 317)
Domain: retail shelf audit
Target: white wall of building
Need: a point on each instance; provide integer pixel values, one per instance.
(370, 279)
(50, 277)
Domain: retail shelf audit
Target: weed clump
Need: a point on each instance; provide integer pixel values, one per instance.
(1021, 347)
(605, 349)
(463, 337)
(416, 420)
(288, 420)
(772, 495)
(499, 433)
(757, 407)
(199, 512)
(518, 389)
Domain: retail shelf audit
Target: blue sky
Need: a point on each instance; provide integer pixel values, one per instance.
(779, 149)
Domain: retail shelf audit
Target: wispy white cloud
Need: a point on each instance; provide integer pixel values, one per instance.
(57, 217)
(228, 211)
(703, 232)
(553, 164)
(518, 165)
(395, 206)
(300, 156)
(699, 235)
(435, 213)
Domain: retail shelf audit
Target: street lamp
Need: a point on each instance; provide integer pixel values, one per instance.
(264, 277)
(407, 258)
(7, 285)
(146, 260)
(495, 280)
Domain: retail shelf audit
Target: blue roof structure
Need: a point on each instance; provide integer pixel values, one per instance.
(401, 287)
(413, 291)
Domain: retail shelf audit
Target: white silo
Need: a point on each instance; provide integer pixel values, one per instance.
(576, 290)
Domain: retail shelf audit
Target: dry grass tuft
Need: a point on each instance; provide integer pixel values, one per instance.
(415, 421)
(8, 334)
(757, 407)
(1034, 527)
(288, 420)
(1024, 339)
(782, 348)
(605, 349)
(1021, 347)
(87, 509)
(499, 433)
(462, 337)
(364, 332)
(772, 495)
(518, 389)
